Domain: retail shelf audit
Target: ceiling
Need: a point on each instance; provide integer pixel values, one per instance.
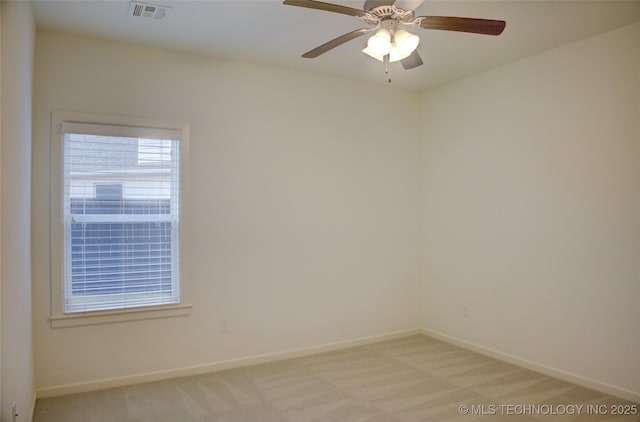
(270, 33)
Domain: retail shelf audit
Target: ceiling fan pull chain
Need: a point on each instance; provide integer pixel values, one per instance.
(387, 69)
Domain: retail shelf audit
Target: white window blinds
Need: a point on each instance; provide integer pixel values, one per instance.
(121, 210)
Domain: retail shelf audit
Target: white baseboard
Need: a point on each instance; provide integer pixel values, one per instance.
(82, 387)
(33, 408)
(538, 367)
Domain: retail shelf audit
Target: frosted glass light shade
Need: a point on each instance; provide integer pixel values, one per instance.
(370, 53)
(380, 43)
(396, 54)
(406, 42)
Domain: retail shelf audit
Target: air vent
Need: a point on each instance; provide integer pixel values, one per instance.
(147, 10)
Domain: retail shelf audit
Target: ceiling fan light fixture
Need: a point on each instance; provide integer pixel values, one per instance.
(395, 55)
(380, 43)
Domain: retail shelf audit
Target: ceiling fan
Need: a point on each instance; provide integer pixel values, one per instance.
(391, 42)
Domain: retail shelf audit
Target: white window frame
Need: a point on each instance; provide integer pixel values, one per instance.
(122, 126)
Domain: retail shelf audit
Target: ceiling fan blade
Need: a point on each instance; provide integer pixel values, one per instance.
(475, 26)
(409, 4)
(328, 7)
(334, 43)
(414, 60)
(370, 4)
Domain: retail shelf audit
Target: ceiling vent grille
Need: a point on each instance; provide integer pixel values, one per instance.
(147, 10)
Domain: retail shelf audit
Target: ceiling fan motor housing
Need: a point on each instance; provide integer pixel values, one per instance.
(392, 13)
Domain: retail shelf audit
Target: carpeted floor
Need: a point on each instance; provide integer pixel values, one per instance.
(416, 378)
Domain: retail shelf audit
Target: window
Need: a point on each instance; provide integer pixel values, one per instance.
(121, 212)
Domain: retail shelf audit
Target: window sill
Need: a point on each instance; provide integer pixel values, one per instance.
(111, 317)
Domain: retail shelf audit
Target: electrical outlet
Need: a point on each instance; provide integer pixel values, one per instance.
(224, 326)
(465, 311)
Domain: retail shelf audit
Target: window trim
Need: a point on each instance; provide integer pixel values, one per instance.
(58, 318)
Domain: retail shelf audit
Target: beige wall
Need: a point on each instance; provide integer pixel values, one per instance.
(17, 379)
(303, 207)
(532, 209)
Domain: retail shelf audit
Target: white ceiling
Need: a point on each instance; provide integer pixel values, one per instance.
(268, 32)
